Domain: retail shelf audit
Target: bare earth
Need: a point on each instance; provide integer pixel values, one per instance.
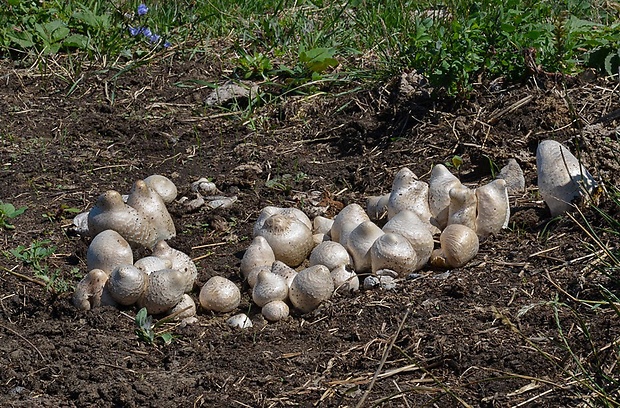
(505, 330)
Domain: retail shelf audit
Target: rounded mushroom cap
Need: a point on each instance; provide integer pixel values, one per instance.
(186, 308)
(345, 280)
(377, 206)
(180, 261)
(311, 287)
(289, 238)
(393, 251)
(409, 193)
(269, 287)
(462, 208)
(439, 186)
(459, 245)
(150, 204)
(346, 221)
(165, 288)
(258, 253)
(163, 186)
(152, 263)
(107, 251)
(126, 284)
(275, 311)
(283, 270)
(409, 225)
(322, 225)
(493, 208)
(359, 243)
(241, 321)
(253, 275)
(220, 295)
(268, 211)
(331, 254)
(89, 290)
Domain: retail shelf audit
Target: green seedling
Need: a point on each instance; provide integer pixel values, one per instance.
(34, 254)
(8, 212)
(146, 329)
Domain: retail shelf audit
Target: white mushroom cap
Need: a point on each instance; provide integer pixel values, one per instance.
(220, 295)
(107, 251)
(393, 251)
(188, 306)
(180, 261)
(165, 289)
(162, 186)
(376, 206)
(359, 243)
(152, 207)
(268, 211)
(281, 269)
(258, 253)
(331, 254)
(269, 287)
(322, 225)
(89, 292)
(459, 245)
(152, 263)
(346, 221)
(289, 238)
(344, 279)
(409, 193)
(493, 208)
(241, 321)
(409, 225)
(462, 208)
(253, 275)
(275, 311)
(439, 186)
(126, 284)
(311, 287)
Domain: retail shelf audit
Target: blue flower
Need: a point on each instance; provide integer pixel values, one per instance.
(142, 9)
(154, 38)
(147, 32)
(167, 44)
(135, 31)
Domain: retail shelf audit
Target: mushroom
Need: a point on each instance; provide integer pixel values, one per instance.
(561, 177)
(289, 238)
(459, 245)
(240, 321)
(346, 221)
(269, 287)
(268, 211)
(311, 287)
(359, 243)
(513, 174)
(110, 212)
(204, 187)
(393, 251)
(376, 206)
(185, 310)
(90, 293)
(409, 193)
(258, 253)
(220, 295)
(331, 254)
(180, 261)
(164, 290)
(275, 310)
(253, 274)
(344, 279)
(439, 186)
(107, 251)
(322, 225)
(152, 207)
(152, 263)
(126, 284)
(163, 186)
(283, 270)
(493, 208)
(409, 225)
(462, 208)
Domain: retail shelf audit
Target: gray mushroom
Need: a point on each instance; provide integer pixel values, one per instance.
(162, 186)
(359, 243)
(180, 261)
(289, 238)
(152, 207)
(107, 251)
(275, 311)
(459, 245)
(126, 284)
(165, 289)
(220, 295)
(90, 293)
(311, 287)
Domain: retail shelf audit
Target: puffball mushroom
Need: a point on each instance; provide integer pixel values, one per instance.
(253, 274)
(269, 287)
(268, 211)
(185, 310)
(289, 238)
(493, 208)
(311, 287)
(331, 254)
(393, 251)
(409, 225)
(258, 253)
(110, 212)
(107, 251)
(359, 243)
(180, 261)
(163, 186)
(346, 221)
(152, 207)
(409, 193)
(344, 279)
(462, 208)
(89, 292)
(275, 311)
(165, 289)
(459, 245)
(240, 321)
(439, 186)
(126, 284)
(322, 225)
(152, 263)
(220, 295)
(283, 270)
(376, 206)
(561, 177)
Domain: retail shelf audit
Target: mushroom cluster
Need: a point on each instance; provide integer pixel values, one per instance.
(159, 282)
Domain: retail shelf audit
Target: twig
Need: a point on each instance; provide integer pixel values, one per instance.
(28, 278)
(210, 245)
(24, 339)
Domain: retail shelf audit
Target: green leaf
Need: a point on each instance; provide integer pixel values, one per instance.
(167, 338)
(76, 41)
(318, 59)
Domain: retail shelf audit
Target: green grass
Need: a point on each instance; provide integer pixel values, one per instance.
(455, 43)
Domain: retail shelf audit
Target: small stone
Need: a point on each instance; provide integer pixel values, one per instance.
(513, 175)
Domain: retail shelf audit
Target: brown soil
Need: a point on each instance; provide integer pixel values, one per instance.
(505, 330)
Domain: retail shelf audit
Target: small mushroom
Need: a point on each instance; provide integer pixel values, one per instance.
(258, 253)
(152, 263)
(268, 211)
(493, 208)
(311, 287)
(513, 174)
(409, 225)
(459, 245)
(126, 284)
(331, 254)
(561, 177)
(220, 295)
(322, 225)
(289, 238)
(240, 321)
(344, 279)
(346, 221)
(204, 187)
(253, 274)
(90, 293)
(152, 207)
(393, 251)
(283, 270)
(439, 186)
(107, 251)
(164, 290)
(409, 193)
(377, 206)
(110, 212)
(185, 310)
(462, 208)
(269, 287)
(275, 311)
(359, 243)
(163, 186)
(180, 261)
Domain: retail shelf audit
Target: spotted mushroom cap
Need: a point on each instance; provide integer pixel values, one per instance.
(165, 288)
(151, 205)
(127, 284)
(220, 295)
(311, 287)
